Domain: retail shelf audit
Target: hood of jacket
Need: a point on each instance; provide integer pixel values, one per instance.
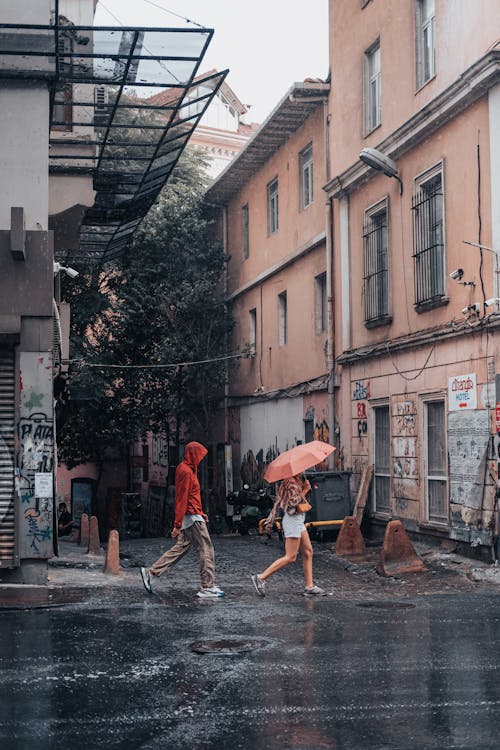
(194, 453)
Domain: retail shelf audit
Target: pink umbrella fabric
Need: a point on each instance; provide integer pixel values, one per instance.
(298, 459)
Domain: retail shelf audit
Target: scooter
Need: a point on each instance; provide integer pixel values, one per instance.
(245, 507)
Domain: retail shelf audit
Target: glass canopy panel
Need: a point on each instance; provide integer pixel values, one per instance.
(102, 79)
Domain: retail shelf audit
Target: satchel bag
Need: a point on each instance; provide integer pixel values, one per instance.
(303, 507)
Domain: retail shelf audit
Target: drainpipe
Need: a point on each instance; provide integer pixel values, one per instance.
(330, 336)
(226, 374)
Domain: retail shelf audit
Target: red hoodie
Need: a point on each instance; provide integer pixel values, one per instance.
(187, 486)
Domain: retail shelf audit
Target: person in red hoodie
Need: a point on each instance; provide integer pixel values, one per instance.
(190, 527)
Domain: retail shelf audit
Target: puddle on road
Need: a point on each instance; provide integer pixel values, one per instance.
(386, 605)
(226, 646)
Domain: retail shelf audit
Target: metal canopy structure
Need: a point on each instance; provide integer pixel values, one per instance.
(291, 112)
(101, 122)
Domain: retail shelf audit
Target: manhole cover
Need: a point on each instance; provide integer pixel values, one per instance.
(225, 646)
(387, 605)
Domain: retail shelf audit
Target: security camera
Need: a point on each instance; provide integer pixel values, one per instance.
(457, 274)
(472, 309)
(67, 270)
(493, 301)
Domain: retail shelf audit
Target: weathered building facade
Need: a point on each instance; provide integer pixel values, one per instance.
(81, 166)
(416, 241)
(272, 220)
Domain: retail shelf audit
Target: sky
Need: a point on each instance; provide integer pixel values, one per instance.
(267, 44)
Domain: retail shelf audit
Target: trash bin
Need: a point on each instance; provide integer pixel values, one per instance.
(330, 497)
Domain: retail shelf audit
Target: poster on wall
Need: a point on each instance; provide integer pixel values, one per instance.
(462, 392)
(468, 437)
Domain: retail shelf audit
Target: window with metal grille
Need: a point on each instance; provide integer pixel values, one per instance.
(382, 456)
(425, 40)
(376, 277)
(272, 207)
(306, 176)
(428, 239)
(282, 319)
(436, 490)
(245, 231)
(372, 88)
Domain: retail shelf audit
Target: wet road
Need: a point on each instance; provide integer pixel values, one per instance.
(395, 669)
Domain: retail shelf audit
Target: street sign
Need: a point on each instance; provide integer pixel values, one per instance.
(462, 392)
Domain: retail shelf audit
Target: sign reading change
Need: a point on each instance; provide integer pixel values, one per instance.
(462, 392)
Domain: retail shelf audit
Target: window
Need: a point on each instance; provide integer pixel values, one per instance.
(253, 331)
(428, 239)
(425, 40)
(245, 231)
(436, 491)
(306, 177)
(382, 452)
(282, 319)
(376, 278)
(372, 88)
(320, 304)
(272, 207)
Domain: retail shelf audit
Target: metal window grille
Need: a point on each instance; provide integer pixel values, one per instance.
(376, 278)
(306, 176)
(245, 229)
(272, 207)
(428, 241)
(381, 474)
(436, 487)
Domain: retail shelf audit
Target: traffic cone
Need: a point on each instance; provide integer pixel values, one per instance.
(350, 542)
(112, 559)
(84, 530)
(94, 543)
(398, 554)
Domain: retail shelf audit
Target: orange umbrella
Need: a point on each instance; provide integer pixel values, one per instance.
(297, 460)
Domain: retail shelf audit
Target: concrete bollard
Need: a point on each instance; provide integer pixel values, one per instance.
(350, 542)
(84, 530)
(112, 559)
(398, 554)
(94, 542)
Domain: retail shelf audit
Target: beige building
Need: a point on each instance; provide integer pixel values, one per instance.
(416, 240)
(272, 218)
(222, 131)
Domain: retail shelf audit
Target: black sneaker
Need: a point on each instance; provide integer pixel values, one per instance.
(146, 579)
(259, 585)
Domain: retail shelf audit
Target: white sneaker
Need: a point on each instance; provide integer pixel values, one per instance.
(314, 591)
(214, 592)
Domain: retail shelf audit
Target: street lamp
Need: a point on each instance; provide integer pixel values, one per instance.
(382, 163)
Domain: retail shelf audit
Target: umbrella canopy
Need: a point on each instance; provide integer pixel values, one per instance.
(297, 460)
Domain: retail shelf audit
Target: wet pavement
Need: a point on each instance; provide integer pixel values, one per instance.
(408, 663)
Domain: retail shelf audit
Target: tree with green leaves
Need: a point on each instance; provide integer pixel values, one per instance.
(138, 325)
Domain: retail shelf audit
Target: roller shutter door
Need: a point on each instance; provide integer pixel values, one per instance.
(7, 505)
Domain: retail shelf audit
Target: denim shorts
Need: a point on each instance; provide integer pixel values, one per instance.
(293, 526)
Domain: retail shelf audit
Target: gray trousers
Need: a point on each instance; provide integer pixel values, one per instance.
(196, 536)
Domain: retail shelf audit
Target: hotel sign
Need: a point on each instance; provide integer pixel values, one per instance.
(462, 392)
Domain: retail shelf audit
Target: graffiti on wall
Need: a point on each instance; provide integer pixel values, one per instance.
(159, 451)
(36, 454)
(360, 394)
(322, 431)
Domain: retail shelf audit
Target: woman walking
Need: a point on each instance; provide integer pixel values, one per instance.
(291, 499)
